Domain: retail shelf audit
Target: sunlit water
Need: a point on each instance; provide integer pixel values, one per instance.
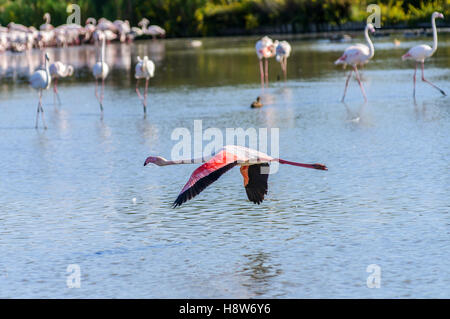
(77, 193)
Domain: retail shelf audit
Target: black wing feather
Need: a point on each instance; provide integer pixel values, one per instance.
(256, 187)
(201, 184)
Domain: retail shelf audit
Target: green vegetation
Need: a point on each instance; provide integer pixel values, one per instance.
(216, 17)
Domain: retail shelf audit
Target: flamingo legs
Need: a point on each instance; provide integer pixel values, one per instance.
(55, 92)
(40, 110)
(284, 67)
(360, 83)
(425, 80)
(267, 71)
(346, 85)
(143, 99)
(358, 78)
(99, 99)
(414, 81)
(261, 69)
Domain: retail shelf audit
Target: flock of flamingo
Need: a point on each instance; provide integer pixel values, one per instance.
(17, 37)
(253, 164)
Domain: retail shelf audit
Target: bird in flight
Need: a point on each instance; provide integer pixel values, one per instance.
(254, 167)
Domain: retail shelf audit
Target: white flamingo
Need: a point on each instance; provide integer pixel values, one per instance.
(41, 80)
(265, 49)
(283, 51)
(420, 52)
(145, 69)
(59, 70)
(358, 54)
(100, 71)
(46, 26)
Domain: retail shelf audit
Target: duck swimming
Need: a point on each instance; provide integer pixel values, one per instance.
(257, 103)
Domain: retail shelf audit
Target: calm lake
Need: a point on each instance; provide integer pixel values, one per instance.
(78, 193)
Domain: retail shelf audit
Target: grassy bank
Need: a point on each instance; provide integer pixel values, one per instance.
(218, 17)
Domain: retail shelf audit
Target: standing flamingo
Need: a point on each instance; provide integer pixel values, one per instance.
(358, 54)
(100, 71)
(254, 168)
(59, 70)
(41, 80)
(145, 69)
(420, 52)
(283, 51)
(265, 49)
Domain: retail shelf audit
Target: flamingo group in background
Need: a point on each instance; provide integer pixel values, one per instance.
(145, 69)
(358, 54)
(420, 52)
(254, 167)
(59, 70)
(283, 51)
(41, 80)
(100, 71)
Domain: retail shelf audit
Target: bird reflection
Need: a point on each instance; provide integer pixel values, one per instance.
(260, 272)
(355, 117)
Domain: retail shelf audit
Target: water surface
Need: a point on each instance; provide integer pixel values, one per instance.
(77, 193)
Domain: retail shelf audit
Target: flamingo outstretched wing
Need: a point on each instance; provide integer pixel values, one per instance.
(255, 182)
(205, 175)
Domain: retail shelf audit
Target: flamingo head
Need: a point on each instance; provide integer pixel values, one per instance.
(370, 27)
(157, 160)
(438, 15)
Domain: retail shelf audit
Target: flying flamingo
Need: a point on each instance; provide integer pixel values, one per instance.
(254, 168)
(283, 51)
(41, 80)
(265, 49)
(59, 70)
(145, 69)
(100, 71)
(358, 54)
(420, 52)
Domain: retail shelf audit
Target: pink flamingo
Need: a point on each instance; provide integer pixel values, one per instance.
(265, 49)
(254, 169)
(145, 69)
(420, 52)
(357, 54)
(59, 70)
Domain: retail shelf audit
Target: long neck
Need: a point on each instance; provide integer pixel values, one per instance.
(435, 40)
(186, 161)
(47, 71)
(369, 42)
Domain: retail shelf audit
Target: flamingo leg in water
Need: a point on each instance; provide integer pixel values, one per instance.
(137, 90)
(360, 83)
(414, 81)
(425, 80)
(346, 85)
(38, 110)
(261, 69)
(267, 71)
(285, 69)
(55, 91)
(145, 96)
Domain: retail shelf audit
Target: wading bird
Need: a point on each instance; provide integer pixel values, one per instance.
(145, 69)
(59, 70)
(265, 49)
(41, 80)
(254, 168)
(358, 54)
(420, 52)
(283, 51)
(100, 71)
